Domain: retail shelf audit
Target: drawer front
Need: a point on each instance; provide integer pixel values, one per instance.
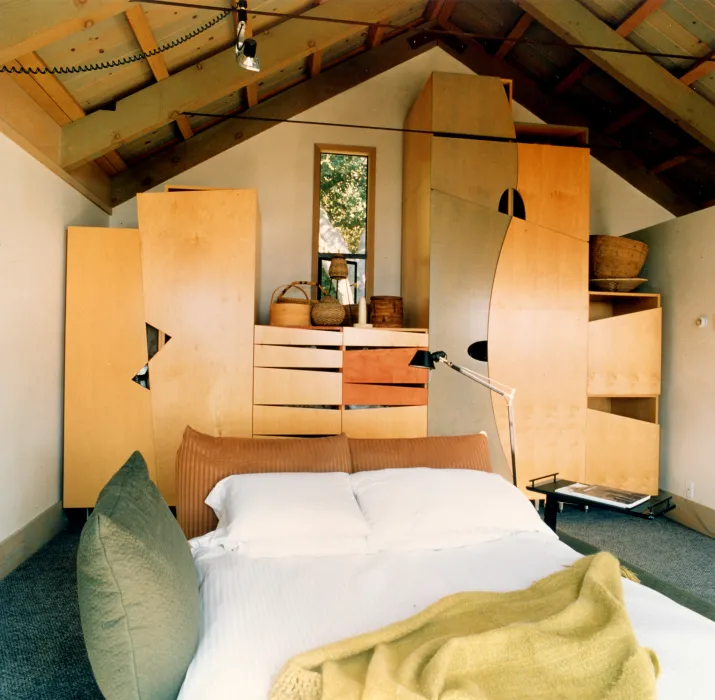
(400, 422)
(298, 357)
(624, 354)
(390, 366)
(278, 335)
(383, 338)
(384, 395)
(288, 420)
(296, 387)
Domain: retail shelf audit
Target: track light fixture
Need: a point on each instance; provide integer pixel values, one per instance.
(245, 48)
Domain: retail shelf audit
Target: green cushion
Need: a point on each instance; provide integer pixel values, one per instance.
(138, 590)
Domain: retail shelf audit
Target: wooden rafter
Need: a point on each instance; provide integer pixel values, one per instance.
(637, 17)
(212, 79)
(678, 160)
(375, 36)
(575, 24)
(432, 9)
(446, 11)
(145, 38)
(555, 110)
(517, 31)
(28, 25)
(626, 119)
(228, 133)
(51, 94)
(703, 67)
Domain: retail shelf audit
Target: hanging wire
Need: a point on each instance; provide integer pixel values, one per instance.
(70, 70)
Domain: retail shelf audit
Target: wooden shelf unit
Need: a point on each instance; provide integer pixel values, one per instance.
(624, 381)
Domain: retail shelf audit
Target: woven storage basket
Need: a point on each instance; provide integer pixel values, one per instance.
(386, 312)
(614, 257)
(289, 311)
(327, 311)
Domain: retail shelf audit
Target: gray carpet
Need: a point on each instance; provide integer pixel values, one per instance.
(673, 553)
(43, 657)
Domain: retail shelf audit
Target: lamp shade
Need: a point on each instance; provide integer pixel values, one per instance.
(422, 359)
(479, 351)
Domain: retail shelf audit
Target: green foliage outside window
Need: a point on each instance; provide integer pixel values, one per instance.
(343, 195)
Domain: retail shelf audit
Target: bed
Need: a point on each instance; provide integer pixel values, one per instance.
(259, 611)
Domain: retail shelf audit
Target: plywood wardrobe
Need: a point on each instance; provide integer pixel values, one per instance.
(189, 270)
(477, 265)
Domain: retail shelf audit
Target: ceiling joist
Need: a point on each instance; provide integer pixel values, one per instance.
(523, 23)
(212, 79)
(575, 24)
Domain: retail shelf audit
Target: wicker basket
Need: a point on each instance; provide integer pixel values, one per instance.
(613, 257)
(289, 311)
(386, 312)
(338, 269)
(328, 311)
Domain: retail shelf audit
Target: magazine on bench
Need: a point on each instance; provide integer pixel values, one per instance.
(605, 494)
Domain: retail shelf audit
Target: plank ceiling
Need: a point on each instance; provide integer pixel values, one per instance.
(115, 132)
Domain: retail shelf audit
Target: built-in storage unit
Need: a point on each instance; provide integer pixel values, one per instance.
(624, 379)
(310, 382)
(495, 247)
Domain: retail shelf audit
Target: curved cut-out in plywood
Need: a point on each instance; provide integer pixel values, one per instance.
(107, 415)
(554, 182)
(466, 242)
(199, 265)
(512, 203)
(538, 322)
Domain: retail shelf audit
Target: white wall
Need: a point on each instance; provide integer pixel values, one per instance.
(680, 263)
(279, 164)
(36, 207)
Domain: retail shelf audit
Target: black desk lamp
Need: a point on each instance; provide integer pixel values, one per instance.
(424, 359)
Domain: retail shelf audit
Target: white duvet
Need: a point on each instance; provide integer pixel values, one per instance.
(257, 613)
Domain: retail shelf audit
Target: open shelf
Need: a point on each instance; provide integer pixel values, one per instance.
(643, 408)
(609, 304)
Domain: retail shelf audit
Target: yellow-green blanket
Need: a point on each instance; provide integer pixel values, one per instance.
(566, 636)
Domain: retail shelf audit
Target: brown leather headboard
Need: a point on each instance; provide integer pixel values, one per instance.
(449, 452)
(202, 461)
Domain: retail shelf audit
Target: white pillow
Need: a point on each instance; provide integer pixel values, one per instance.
(281, 507)
(422, 508)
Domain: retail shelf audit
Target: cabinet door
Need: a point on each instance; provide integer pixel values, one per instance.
(296, 387)
(624, 354)
(291, 420)
(622, 452)
(395, 422)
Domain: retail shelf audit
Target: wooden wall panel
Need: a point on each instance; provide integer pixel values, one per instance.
(624, 354)
(277, 335)
(388, 366)
(282, 356)
(383, 395)
(383, 338)
(554, 182)
(107, 415)
(291, 420)
(400, 422)
(538, 344)
(297, 387)
(466, 240)
(199, 264)
(622, 452)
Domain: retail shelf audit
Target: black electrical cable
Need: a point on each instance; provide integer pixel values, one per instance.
(69, 70)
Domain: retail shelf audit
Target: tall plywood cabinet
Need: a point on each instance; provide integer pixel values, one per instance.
(495, 247)
(190, 272)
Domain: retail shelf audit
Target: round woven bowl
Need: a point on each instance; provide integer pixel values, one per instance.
(327, 312)
(617, 285)
(614, 257)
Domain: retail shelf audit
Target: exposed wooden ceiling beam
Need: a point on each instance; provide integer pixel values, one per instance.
(702, 68)
(625, 119)
(375, 35)
(28, 25)
(554, 110)
(523, 23)
(432, 9)
(50, 93)
(209, 80)
(678, 160)
(315, 63)
(446, 12)
(638, 16)
(573, 23)
(229, 133)
(145, 38)
(27, 124)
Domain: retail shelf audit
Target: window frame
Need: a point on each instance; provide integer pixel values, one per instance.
(341, 149)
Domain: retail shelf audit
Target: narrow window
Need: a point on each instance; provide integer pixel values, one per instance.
(343, 218)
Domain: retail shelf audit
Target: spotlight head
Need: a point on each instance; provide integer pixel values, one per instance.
(246, 56)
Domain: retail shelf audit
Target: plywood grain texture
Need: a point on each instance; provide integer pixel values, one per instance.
(277, 335)
(399, 422)
(554, 182)
(382, 366)
(622, 452)
(465, 244)
(624, 354)
(298, 357)
(107, 416)
(384, 338)
(297, 387)
(291, 420)
(384, 395)
(538, 320)
(199, 266)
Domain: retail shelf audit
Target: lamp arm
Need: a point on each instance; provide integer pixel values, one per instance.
(506, 392)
